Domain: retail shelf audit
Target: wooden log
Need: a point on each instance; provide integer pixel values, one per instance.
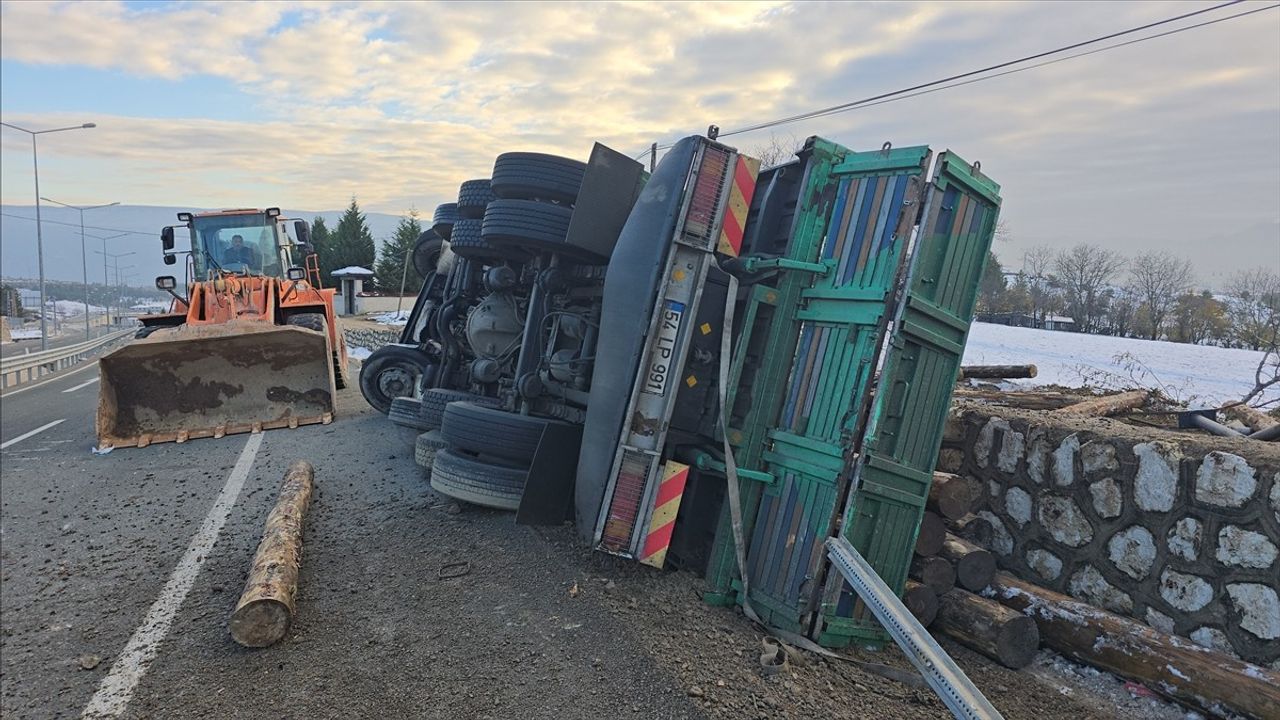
(936, 572)
(952, 496)
(997, 371)
(974, 529)
(974, 566)
(1176, 668)
(1252, 418)
(265, 611)
(992, 629)
(932, 532)
(922, 601)
(1107, 405)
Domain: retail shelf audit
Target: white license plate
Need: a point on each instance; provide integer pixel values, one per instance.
(658, 373)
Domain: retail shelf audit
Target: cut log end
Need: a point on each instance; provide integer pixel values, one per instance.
(260, 623)
(1017, 642)
(922, 601)
(1108, 405)
(935, 572)
(932, 533)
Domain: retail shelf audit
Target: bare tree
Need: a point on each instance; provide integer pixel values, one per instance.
(1036, 263)
(1253, 302)
(1084, 272)
(1158, 279)
(776, 150)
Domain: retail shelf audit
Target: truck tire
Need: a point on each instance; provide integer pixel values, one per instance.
(493, 432)
(392, 371)
(404, 412)
(435, 400)
(444, 218)
(472, 480)
(526, 225)
(425, 447)
(535, 176)
(473, 197)
(468, 242)
(426, 253)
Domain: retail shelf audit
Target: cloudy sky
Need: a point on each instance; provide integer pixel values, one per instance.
(1168, 144)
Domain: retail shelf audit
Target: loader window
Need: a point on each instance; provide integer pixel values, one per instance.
(236, 243)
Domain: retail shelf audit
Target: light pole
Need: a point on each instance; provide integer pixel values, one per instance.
(35, 166)
(106, 282)
(120, 284)
(106, 279)
(84, 258)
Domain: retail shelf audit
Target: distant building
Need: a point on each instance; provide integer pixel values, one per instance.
(30, 298)
(1026, 320)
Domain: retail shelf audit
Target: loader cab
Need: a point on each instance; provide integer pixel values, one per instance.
(244, 242)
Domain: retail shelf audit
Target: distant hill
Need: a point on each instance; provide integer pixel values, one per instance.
(61, 230)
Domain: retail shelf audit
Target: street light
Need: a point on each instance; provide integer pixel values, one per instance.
(35, 165)
(106, 279)
(84, 258)
(115, 258)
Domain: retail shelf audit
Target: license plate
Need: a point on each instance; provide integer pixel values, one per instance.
(658, 373)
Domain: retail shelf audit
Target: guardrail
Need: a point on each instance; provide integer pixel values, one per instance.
(33, 366)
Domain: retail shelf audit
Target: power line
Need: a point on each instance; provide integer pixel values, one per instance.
(87, 227)
(908, 92)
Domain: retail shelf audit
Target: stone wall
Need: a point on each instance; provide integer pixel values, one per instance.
(370, 338)
(1177, 529)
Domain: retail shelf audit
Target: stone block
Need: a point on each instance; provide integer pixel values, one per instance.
(950, 460)
(1064, 521)
(1239, 547)
(1225, 480)
(1185, 592)
(1132, 551)
(1017, 503)
(1155, 487)
(1001, 540)
(983, 445)
(1259, 609)
(1064, 461)
(1275, 496)
(1159, 621)
(1037, 451)
(953, 431)
(1045, 564)
(1089, 585)
(1108, 500)
(1213, 639)
(1185, 537)
(1097, 456)
(1010, 453)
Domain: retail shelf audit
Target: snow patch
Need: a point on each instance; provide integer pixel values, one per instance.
(359, 353)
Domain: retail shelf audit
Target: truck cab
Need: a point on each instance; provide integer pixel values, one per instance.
(245, 241)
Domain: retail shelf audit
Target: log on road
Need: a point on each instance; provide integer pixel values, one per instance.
(1174, 667)
(952, 496)
(922, 601)
(1002, 634)
(1107, 405)
(932, 532)
(974, 565)
(935, 572)
(997, 372)
(265, 611)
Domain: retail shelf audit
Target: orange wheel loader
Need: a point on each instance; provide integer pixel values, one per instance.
(252, 344)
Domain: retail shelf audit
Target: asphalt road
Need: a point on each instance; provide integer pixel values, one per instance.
(68, 337)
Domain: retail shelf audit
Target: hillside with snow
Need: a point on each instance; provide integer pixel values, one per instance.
(1200, 375)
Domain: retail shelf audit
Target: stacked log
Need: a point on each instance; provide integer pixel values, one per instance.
(952, 496)
(1252, 418)
(933, 531)
(922, 601)
(1108, 405)
(974, 566)
(936, 572)
(1002, 634)
(997, 372)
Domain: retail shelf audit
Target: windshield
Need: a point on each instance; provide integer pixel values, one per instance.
(235, 243)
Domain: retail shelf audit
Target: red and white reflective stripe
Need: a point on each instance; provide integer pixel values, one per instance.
(735, 215)
(665, 508)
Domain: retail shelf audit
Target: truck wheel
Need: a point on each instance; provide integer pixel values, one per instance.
(493, 432)
(473, 197)
(392, 371)
(426, 253)
(435, 400)
(310, 321)
(444, 218)
(425, 447)
(467, 242)
(535, 176)
(404, 412)
(472, 480)
(527, 225)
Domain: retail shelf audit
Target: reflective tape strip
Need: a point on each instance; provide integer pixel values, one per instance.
(735, 215)
(665, 508)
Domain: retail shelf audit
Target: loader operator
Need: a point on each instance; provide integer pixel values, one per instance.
(238, 253)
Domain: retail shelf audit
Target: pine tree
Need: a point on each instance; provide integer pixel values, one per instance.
(351, 243)
(322, 242)
(391, 265)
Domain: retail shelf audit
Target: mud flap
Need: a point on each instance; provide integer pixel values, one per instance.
(214, 380)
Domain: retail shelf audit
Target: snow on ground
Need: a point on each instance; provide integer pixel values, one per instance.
(358, 352)
(71, 307)
(391, 318)
(24, 334)
(1197, 374)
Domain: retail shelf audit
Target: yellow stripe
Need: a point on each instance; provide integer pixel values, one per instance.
(666, 513)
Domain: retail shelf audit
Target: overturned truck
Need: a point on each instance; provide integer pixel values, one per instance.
(714, 366)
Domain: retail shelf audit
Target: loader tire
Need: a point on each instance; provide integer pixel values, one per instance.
(310, 321)
(425, 448)
(493, 432)
(468, 242)
(426, 253)
(473, 197)
(527, 226)
(435, 400)
(444, 218)
(392, 371)
(535, 176)
(473, 480)
(404, 412)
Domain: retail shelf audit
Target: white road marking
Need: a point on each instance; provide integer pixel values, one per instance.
(117, 687)
(84, 384)
(37, 431)
(56, 378)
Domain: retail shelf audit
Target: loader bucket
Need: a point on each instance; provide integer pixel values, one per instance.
(197, 381)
